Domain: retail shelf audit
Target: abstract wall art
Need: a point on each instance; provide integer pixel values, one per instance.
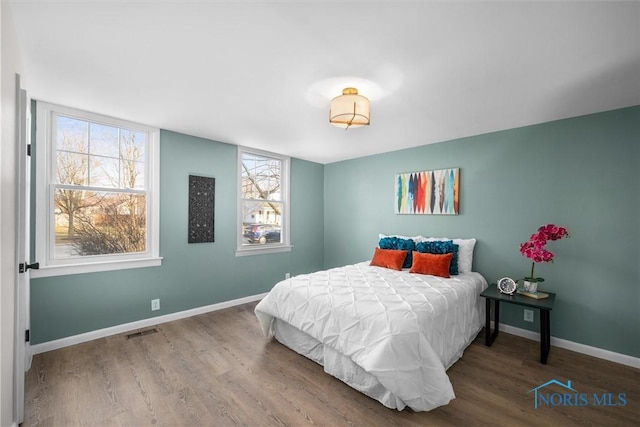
(435, 192)
(202, 191)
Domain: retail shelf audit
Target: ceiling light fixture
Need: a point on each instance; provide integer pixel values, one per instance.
(349, 109)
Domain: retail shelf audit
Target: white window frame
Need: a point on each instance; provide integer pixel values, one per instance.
(285, 245)
(46, 177)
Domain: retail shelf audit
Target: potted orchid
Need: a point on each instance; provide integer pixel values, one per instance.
(535, 250)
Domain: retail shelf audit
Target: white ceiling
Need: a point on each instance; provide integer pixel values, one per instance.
(262, 73)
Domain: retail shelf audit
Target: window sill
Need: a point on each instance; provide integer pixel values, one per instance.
(263, 250)
(95, 267)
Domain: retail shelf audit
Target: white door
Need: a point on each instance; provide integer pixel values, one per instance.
(22, 345)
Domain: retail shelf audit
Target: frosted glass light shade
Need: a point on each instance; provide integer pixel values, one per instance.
(349, 109)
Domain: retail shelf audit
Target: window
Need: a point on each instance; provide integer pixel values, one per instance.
(263, 202)
(96, 192)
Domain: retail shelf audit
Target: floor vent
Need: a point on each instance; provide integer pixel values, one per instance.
(142, 333)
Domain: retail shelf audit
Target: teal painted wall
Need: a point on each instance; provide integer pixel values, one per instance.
(582, 173)
(191, 275)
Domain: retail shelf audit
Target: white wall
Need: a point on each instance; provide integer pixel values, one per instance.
(9, 63)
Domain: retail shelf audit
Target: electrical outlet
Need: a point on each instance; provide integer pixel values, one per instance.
(155, 304)
(528, 315)
(287, 275)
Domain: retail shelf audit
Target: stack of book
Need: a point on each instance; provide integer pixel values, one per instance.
(535, 295)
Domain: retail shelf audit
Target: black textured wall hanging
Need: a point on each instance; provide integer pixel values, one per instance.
(202, 192)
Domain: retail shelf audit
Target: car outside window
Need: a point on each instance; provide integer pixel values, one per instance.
(263, 202)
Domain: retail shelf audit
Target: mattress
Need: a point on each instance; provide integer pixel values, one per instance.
(389, 334)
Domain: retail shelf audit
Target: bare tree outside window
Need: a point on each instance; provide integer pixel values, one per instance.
(100, 202)
(262, 201)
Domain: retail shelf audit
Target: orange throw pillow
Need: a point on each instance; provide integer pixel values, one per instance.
(433, 264)
(389, 258)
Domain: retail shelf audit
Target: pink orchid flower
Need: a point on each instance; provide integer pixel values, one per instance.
(534, 248)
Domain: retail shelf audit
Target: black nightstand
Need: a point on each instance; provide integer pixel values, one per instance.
(543, 305)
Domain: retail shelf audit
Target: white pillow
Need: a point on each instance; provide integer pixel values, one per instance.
(465, 254)
(419, 239)
(465, 250)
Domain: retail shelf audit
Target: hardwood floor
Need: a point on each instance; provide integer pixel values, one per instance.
(217, 369)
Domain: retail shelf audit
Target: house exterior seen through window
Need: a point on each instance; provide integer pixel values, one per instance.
(263, 203)
(99, 184)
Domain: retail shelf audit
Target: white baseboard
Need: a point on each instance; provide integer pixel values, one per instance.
(145, 323)
(623, 359)
(600, 353)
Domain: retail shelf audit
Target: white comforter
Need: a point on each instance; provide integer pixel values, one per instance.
(405, 329)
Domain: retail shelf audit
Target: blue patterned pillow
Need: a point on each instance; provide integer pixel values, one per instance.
(399, 244)
(441, 247)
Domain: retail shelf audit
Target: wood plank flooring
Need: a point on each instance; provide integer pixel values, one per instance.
(217, 369)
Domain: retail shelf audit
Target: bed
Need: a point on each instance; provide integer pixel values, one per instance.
(391, 334)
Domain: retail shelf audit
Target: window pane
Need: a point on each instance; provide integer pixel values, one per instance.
(72, 134)
(98, 223)
(116, 156)
(103, 140)
(104, 172)
(132, 174)
(132, 145)
(261, 222)
(72, 168)
(261, 177)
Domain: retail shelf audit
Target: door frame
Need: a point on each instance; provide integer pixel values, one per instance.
(22, 345)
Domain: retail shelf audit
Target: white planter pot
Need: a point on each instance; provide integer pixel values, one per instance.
(530, 286)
